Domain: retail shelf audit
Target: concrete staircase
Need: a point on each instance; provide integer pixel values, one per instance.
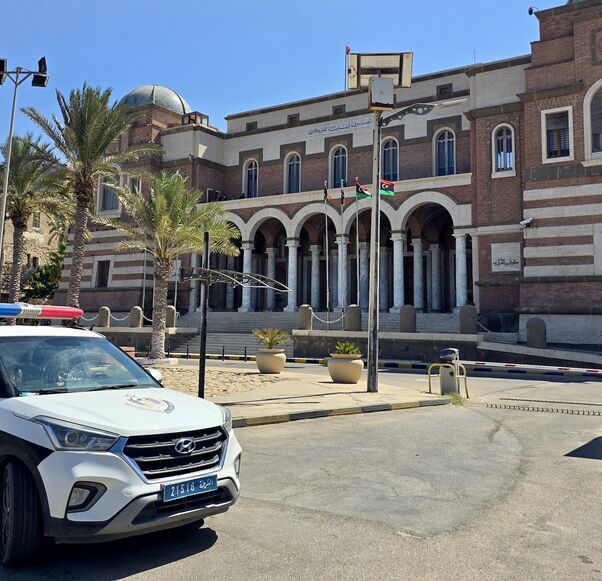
(233, 330)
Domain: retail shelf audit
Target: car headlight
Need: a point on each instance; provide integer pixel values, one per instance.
(227, 424)
(68, 436)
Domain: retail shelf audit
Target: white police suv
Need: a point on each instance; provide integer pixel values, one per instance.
(93, 448)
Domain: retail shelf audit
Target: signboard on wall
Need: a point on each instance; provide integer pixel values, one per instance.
(340, 127)
(506, 257)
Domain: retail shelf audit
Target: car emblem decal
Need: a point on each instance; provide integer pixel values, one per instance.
(185, 446)
(150, 403)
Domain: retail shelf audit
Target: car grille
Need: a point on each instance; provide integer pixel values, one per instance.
(156, 455)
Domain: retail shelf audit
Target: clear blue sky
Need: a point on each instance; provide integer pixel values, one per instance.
(227, 56)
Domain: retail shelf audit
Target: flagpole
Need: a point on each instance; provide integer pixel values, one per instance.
(326, 253)
(343, 266)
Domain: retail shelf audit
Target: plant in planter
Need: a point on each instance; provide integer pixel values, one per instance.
(346, 365)
(271, 359)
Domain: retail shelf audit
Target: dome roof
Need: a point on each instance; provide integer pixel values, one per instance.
(157, 95)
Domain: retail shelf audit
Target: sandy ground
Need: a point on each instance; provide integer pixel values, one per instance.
(185, 378)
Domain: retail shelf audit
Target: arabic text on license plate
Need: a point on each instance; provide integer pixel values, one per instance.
(189, 488)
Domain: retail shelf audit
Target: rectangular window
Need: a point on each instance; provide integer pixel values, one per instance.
(135, 185)
(558, 137)
(35, 262)
(292, 119)
(252, 126)
(103, 268)
(444, 91)
(36, 220)
(338, 110)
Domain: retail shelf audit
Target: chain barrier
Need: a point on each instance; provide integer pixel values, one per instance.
(120, 318)
(147, 319)
(90, 320)
(328, 322)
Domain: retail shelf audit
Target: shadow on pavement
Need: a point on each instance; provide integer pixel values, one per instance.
(592, 450)
(117, 559)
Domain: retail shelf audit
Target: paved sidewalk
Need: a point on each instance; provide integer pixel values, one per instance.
(295, 396)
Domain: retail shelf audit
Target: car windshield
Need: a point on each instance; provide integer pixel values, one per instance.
(68, 364)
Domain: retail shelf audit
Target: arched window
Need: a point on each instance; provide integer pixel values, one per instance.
(250, 179)
(596, 122)
(107, 200)
(445, 153)
(293, 174)
(339, 167)
(503, 149)
(390, 161)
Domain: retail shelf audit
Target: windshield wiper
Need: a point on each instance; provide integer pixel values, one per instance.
(118, 386)
(47, 391)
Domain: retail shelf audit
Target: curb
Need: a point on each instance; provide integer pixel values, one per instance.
(333, 412)
(478, 366)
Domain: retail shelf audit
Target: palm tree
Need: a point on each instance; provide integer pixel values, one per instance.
(87, 126)
(32, 187)
(168, 222)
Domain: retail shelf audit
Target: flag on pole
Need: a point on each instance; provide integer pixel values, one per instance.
(347, 49)
(327, 196)
(342, 194)
(387, 188)
(360, 191)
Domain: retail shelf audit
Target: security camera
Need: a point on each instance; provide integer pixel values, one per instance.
(526, 222)
(532, 10)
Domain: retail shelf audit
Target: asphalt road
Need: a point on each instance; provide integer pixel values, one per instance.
(441, 493)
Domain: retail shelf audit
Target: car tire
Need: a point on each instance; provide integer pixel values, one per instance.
(20, 516)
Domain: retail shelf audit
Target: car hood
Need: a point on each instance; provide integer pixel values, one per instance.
(127, 412)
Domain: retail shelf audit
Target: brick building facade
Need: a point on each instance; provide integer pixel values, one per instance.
(498, 197)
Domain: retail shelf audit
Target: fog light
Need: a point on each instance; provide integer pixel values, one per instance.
(78, 497)
(84, 495)
(237, 464)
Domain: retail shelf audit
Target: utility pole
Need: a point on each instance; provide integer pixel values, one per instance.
(203, 325)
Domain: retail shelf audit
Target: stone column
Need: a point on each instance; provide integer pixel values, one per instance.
(436, 276)
(229, 287)
(342, 242)
(194, 285)
(398, 281)
(461, 273)
(364, 274)
(383, 292)
(334, 282)
(315, 276)
(247, 258)
(418, 286)
(293, 246)
(271, 273)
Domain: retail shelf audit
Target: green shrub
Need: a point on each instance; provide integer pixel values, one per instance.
(347, 348)
(271, 338)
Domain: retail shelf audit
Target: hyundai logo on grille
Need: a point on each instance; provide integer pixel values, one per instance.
(185, 446)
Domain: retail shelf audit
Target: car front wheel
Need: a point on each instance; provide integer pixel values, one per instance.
(20, 516)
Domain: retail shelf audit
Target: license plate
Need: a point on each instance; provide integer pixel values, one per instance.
(189, 488)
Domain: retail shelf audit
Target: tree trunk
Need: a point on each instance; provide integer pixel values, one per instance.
(80, 231)
(163, 270)
(14, 289)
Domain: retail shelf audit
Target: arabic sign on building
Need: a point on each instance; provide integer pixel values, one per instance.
(506, 257)
(340, 127)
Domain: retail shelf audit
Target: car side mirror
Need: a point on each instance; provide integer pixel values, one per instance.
(156, 374)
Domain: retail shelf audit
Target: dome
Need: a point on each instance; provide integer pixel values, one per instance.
(157, 95)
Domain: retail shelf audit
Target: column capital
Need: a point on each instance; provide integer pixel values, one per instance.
(292, 242)
(434, 246)
(342, 239)
(416, 241)
(270, 251)
(248, 245)
(459, 234)
(315, 248)
(364, 245)
(398, 235)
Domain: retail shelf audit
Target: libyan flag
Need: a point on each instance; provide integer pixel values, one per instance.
(387, 188)
(361, 192)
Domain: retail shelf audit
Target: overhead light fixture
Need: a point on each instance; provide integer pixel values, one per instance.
(40, 79)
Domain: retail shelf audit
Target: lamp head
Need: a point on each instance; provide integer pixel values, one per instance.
(41, 78)
(3, 67)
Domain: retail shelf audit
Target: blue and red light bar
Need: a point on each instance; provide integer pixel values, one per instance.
(26, 311)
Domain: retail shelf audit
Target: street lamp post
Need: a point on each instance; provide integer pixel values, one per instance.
(18, 76)
(374, 306)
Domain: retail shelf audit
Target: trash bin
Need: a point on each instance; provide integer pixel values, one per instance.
(448, 378)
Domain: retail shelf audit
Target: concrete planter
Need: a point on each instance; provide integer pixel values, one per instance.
(270, 360)
(345, 368)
